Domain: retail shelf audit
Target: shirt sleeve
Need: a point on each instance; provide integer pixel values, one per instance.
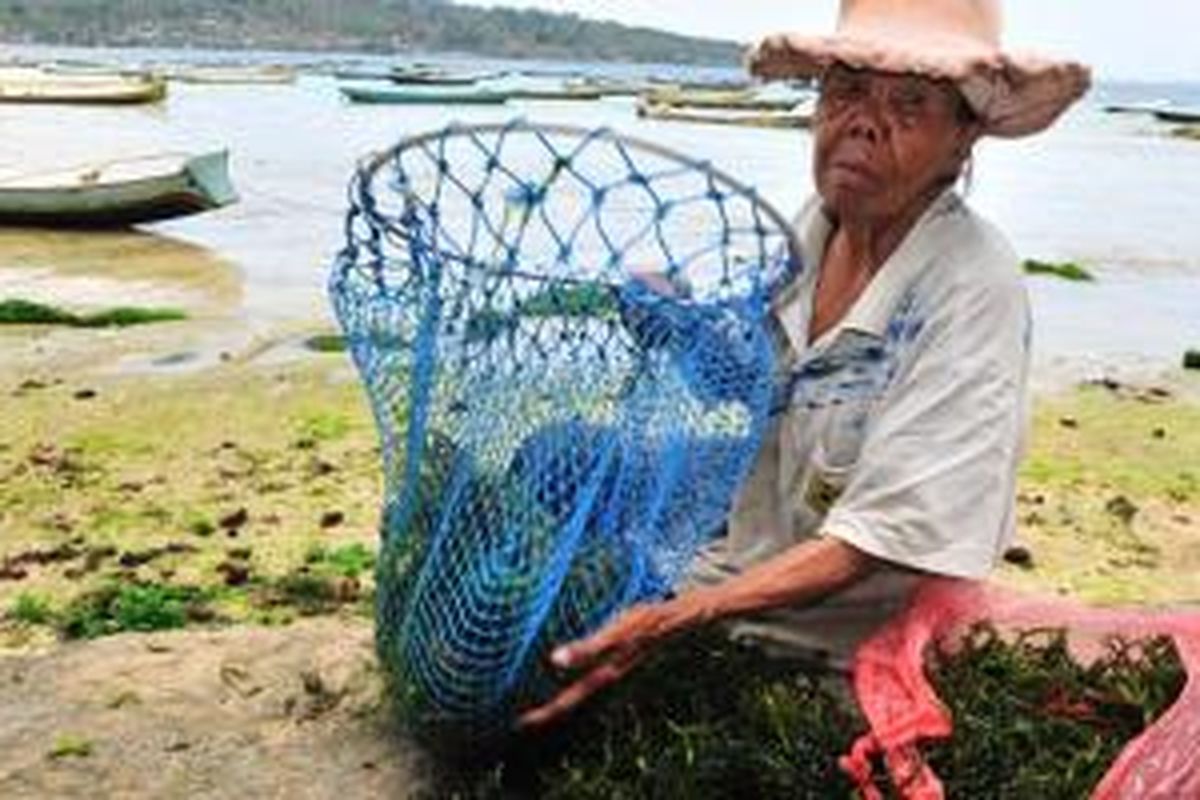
(934, 487)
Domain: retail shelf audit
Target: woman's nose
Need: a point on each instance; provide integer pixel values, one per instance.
(868, 119)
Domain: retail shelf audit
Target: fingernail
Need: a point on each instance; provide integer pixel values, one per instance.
(561, 657)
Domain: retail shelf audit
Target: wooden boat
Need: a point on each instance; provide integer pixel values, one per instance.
(119, 192)
(610, 87)
(799, 116)
(417, 95)
(715, 85)
(1189, 116)
(562, 93)
(429, 75)
(93, 68)
(739, 99)
(526, 88)
(1137, 108)
(39, 86)
(362, 74)
(267, 74)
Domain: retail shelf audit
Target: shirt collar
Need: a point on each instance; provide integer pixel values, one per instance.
(873, 310)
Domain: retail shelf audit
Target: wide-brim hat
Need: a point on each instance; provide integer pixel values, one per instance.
(957, 40)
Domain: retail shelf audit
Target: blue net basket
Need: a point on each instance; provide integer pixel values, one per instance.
(563, 334)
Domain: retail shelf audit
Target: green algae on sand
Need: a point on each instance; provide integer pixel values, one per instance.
(16, 311)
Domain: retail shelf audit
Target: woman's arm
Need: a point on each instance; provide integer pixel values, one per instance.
(802, 574)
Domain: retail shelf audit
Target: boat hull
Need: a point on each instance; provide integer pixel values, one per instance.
(399, 96)
(1171, 115)
(740, 100)
(232, 76)
(77, 91)
(707, 116)
(201, 184)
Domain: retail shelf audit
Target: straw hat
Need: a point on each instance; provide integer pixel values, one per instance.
(959, 40)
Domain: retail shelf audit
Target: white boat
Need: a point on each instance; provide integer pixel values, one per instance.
(118, 193)
(24, 85)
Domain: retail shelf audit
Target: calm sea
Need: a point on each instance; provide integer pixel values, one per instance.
(1115, 192)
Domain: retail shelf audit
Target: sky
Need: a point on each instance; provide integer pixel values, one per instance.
(1120, 39)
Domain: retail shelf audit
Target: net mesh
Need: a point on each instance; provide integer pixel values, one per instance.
(562, 335)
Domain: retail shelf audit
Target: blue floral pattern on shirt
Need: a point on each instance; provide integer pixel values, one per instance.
(856, 366)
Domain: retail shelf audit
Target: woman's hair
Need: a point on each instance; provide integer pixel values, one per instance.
(965, 115)
(964, 112)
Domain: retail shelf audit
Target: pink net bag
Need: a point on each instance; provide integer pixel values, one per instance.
(902, 709)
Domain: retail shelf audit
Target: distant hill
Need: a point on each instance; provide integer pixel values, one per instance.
(361, 25)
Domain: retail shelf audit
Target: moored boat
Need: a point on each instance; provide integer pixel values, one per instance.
(524, 87)
(1136, 108)
(362, 74)
(712, 85)
(39, 86)
(104, 68)
(424, 95)
(800, 116)
(1183, 115)
(119, 192)
(431, 75)
(612, 87)
(221, 74)
(763, 99)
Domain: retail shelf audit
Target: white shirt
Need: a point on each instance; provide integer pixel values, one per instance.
(902, 432)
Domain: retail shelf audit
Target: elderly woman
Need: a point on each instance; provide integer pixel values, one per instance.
(909, 337)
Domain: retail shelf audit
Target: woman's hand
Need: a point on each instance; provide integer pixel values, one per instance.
(610, 653)
(802, 574)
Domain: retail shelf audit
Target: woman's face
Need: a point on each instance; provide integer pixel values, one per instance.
(884, 141)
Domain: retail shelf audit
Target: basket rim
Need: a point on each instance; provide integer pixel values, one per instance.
(372, 163)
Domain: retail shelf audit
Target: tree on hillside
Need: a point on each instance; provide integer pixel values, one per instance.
(347, 24)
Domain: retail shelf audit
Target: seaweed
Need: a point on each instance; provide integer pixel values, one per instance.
(1067, 270)
(25, 312)
(1032, 721)
(711, 718)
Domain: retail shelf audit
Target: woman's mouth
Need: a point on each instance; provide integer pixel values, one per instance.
(855, 167)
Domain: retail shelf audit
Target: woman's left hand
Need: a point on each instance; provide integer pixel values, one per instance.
(608, 655)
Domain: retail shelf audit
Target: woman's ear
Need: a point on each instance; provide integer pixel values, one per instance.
(968, 135)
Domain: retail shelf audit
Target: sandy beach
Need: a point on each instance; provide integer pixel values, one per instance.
(244, 488)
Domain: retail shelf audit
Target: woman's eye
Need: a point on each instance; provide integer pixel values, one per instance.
(908, 104)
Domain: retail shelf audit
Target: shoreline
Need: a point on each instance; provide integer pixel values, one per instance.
(233, 318)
